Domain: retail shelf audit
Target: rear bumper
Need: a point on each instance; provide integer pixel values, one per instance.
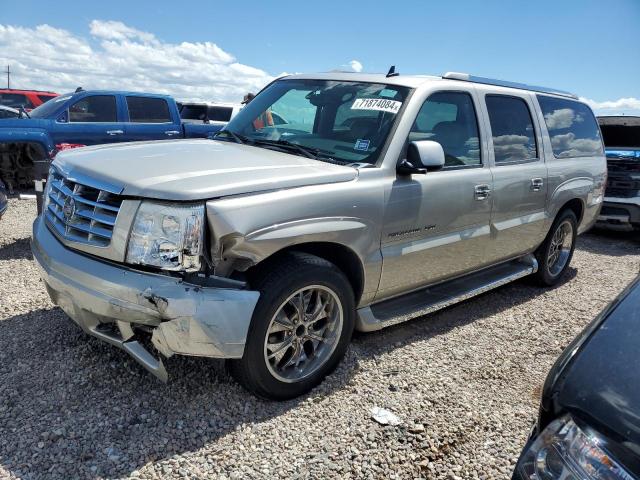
(120, 305)
(620, 214)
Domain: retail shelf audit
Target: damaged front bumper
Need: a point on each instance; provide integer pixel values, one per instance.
(121, 305)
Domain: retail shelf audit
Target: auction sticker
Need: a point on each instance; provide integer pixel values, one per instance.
(379, 104)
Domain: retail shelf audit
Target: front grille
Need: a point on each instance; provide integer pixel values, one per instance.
(624, 179)
(81, 213)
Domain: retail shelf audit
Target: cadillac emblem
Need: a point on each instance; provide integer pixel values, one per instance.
(69, 208)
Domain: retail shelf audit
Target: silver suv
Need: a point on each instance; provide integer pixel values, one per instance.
(372, 200)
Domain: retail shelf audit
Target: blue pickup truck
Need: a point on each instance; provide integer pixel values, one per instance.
(29, 143)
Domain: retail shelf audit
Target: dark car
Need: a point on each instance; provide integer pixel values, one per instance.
(3, 199)
(589, 420)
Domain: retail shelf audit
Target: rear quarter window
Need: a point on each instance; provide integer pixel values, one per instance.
(572, 127)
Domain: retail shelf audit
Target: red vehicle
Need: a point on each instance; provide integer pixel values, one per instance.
(27, 99)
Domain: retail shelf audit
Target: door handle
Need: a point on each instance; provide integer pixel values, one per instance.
(171, 133)
(536, 184)
(482, 192)
(114, 132)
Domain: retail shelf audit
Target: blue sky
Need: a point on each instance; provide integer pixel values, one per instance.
(588, 47)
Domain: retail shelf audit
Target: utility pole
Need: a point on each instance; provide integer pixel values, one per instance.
(8, 77)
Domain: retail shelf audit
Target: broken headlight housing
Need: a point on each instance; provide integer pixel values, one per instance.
(168, 236)
(564, 451)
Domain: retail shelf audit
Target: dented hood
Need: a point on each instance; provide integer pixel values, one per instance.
(194, 169)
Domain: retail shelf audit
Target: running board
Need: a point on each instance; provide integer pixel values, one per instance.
(442, 295)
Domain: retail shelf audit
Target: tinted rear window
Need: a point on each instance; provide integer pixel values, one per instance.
(572, 127)
(220, 114)
(148, 110)
(194, 112)
(15, 100)
(45, 98)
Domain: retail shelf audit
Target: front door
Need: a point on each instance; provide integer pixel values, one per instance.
(91, 120)
(436, 226)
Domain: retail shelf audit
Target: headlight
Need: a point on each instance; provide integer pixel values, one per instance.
(564, 451)
(167, 236)
(45, 194)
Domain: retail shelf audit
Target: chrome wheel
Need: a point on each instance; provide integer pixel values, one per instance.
(303, 333)
(560, 248)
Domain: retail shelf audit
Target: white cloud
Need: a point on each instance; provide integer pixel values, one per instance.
(355, 65)
(561, 118)
(120, 57)
(628, 105)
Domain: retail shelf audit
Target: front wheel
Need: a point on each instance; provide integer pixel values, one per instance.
(555, 254)
(300, 329)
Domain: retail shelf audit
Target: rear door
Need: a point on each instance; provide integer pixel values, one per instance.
(519, 175)
(149, 119)
(90, 120)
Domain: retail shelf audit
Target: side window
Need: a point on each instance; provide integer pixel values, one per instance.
(220, 114)
(572, 127)
(97, 108)
(15, 100)
(45, 98)
(148, 110)
(514, 138)
(449, 118)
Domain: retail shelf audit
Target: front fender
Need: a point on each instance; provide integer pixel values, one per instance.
(254, 247)
(28, 135)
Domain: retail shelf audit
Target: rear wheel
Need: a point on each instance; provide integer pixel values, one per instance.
(555, 254)
(300, 329)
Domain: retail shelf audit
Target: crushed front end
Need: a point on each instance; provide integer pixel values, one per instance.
(129, 273)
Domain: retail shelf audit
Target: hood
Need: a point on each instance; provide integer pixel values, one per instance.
(24, 122)
(600, 385)
(195, 169)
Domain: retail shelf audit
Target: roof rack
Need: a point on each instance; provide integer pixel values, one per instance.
(503, 83)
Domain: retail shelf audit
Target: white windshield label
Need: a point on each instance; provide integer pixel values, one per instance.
(380, 104)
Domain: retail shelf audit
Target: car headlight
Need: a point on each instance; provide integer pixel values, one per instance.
(47, 191)
(564, 451)
(168, 236)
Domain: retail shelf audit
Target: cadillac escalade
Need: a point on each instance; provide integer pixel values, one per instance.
(380, 198)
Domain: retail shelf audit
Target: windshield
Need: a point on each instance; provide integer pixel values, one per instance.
(46, 109)
(337, 120)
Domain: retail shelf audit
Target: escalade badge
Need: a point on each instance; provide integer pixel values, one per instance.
(69, 208)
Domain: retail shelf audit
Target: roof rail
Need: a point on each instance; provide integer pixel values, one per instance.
(503, 83)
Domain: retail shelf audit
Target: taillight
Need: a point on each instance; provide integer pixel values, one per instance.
(65, 146)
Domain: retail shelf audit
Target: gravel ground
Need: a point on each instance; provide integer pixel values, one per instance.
(465, 383)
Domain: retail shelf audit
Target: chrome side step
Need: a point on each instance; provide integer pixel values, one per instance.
(442, 295)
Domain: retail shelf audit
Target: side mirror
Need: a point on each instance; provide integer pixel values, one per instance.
(422, 156)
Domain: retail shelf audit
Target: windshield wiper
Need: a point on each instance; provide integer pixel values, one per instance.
(237, 138)
(309, 152)
(306, 151)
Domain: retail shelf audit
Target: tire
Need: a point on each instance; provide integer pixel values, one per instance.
(284, 359)
(553, 260)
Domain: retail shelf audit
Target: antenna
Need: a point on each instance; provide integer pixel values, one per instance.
(8, 77)
(392, 72)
